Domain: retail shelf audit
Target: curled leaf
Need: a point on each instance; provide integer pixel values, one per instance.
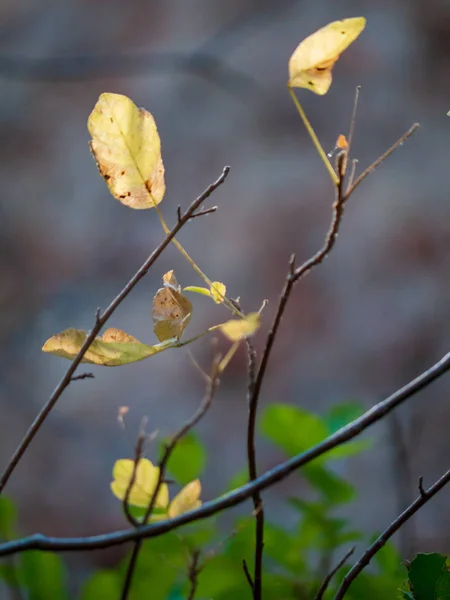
(188, 499)
(311, 63)
(113, 349)
(238, 329)
(126, 146)
(171, 309)
(144, 485)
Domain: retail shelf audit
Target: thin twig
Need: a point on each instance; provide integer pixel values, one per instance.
(194, 571)
(420, 486)
(126, 499)
(101, 319)
(424, 497)
(243, 493)
(331, 574)
(201, 410)
(253, 473)
(206, 211)
(82, 376)
(247, 573)
(381, 159)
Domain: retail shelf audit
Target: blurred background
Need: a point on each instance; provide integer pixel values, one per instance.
(371, 318)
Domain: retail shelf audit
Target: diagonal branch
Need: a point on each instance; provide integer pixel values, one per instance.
(101, 319)
(243, 493)
(424, 497)
(331, 574)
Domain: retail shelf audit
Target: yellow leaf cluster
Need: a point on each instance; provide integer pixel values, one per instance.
(144, 485)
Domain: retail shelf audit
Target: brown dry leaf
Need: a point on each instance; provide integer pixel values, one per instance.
(171, 309)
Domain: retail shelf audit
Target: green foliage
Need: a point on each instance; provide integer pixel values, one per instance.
(188, 460)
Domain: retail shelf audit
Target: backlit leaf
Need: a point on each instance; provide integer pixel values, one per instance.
(113, 349)
(126, 146)
(146, 478)
(239, 329)
(312, 61)
(188, 499)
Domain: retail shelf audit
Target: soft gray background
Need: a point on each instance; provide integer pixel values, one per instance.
(374, 316)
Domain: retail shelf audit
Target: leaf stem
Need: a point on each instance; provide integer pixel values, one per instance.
(314, 137)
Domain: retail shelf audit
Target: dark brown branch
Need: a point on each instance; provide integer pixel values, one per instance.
(194, 571)
(247, 573)
(425, 496)
(126, 500)
(82, 376)
(201, 410)
(239, 495)
(101, 319)
(253, 474)
(381, 159)
(331, 574)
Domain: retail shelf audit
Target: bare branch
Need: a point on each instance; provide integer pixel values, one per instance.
(425, 496)
(253, 473)
(100, 320)
(194, 571)
(381, 159)
(247, 573)
(331, 574)
(243, 493)
(82, 376)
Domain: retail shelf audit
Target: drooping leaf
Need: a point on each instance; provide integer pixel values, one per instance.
(239, 329)
(311, 63)
(171, 310)
(144, 485)
(187, 461)
(113, 349)
(126, 146)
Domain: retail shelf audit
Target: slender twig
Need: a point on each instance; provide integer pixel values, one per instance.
(351, 130)
(101, 319)
(82, 376)
(194, 571)
(247, 573)
(243, 493)
(201, 410)
(206, 211)
(253, 474)
(376, 163)
(331, 574)
(424, 497)
(126, 499)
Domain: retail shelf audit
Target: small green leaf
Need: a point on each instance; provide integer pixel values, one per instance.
(187, 461)
(292, 428)
(8, 515)
(197, 290)
(429, 577)
(333, 488)
(43, 575)
(388, 558)
(103, 585)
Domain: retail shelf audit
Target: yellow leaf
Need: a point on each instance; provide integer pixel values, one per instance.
(126, 146)
(171, 310)
(238, 329)
(144, 485)
(312, 61)
(113, 349)
(218, 291)
(188, 499)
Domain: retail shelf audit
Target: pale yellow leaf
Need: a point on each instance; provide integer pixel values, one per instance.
(115, 348)
(218, 291)
(171, 310)
(126, 146)
(311, 63)
(238, 329)
(188, 499)
(144, 485)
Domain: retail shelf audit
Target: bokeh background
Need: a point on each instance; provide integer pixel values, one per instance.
(213, 74)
